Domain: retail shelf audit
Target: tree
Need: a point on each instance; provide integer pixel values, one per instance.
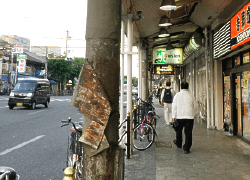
(65, 70)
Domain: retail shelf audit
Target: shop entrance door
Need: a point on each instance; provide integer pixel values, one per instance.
(242, 104)
(238, 107)
(245, 104)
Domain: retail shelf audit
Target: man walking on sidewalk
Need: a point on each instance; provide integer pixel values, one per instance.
(166, 99)
(183, 109)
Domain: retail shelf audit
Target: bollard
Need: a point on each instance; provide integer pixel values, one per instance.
(128, 135)
(135, 119)
(69, 173)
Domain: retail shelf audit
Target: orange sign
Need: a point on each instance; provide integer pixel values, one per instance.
(240, 27)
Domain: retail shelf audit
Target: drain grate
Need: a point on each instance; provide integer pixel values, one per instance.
(167, 144)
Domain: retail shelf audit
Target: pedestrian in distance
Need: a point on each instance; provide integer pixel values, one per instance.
(184, 108)
(166, 99)
(159, 93)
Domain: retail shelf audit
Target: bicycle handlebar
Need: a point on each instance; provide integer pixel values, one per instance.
(64, 121)
(143, 101)
(69, 122)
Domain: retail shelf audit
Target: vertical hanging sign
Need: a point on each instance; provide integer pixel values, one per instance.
(21, 63)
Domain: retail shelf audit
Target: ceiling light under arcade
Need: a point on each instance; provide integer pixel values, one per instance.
(168, 5)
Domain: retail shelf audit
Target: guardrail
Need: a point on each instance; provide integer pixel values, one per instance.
(128, 146)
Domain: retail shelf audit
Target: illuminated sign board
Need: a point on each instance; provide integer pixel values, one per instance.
(163, 70)
(240, 27)
(161, 56)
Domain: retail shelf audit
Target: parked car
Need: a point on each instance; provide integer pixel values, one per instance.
(135, 90)
(30, 92)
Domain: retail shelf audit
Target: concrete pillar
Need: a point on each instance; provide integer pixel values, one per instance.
(129, 63)
(195, 75)
(140, 70)
(103, 33)
(218, 94)
(144, 80)
(191, 76)
(207, 87)
(150, 81)
(122, 70)
(211, 77)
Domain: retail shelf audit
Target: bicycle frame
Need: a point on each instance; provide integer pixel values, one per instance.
(148, 121)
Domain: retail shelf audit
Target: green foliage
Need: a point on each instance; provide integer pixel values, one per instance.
(135, 81)
(65, 70)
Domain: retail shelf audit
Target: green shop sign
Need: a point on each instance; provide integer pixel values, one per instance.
(162, 56)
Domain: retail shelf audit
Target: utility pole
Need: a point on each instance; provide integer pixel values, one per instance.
(67, 43)
(46, 63)
(97, 95)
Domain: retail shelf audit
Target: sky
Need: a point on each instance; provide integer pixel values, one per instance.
(46, 23)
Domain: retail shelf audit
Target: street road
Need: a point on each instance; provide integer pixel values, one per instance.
(32, 141)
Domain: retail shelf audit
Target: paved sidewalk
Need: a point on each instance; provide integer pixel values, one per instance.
(214, 156)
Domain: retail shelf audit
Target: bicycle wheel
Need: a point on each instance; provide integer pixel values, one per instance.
(144, 137)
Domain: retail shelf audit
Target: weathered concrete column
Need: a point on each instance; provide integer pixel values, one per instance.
(102, 66)
(218, 94)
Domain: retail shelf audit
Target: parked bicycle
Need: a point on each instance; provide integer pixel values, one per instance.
(8, 173)
(75, 150)
(144, 130)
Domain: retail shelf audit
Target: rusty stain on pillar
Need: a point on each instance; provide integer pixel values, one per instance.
(97, 93)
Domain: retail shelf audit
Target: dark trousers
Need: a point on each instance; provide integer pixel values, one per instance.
(188, 125)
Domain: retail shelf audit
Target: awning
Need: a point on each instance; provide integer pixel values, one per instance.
(33, 57)
(53, 82)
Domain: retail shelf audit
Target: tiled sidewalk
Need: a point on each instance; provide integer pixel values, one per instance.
(214, 155)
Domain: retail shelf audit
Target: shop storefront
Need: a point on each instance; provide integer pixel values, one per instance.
(231, 45)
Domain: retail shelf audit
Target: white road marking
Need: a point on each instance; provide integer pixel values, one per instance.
(20, 145)
(36, 112)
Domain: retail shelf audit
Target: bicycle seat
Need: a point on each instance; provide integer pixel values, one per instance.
(12, 175)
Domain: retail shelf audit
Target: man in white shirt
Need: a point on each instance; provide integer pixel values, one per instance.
(183, 109)
(166, 99)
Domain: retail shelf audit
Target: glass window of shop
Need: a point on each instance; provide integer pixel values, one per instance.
(246, 58)
(237, 61)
